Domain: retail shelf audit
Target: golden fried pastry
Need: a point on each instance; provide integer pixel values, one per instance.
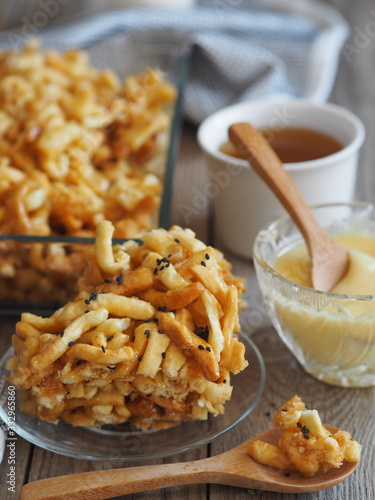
(145, 341)
(305, 444)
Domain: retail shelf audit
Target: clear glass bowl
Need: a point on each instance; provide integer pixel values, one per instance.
(129, 444)
(332, 335)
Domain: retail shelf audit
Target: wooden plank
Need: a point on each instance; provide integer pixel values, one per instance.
(46, 464)
(23, 452)
(190, 205)
(355, 87)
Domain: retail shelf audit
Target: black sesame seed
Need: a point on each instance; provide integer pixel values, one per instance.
(161, 268)
(169, 255)
(163, 355)
(161, 332)
(93, 296)
(284, 409)
(287, 474)
(305, 431)
(202, 332)
(299, 424)
(149, 395)
(67, 393)
(162, 309)
(119, 279)
(306, 436)
(177, 240)
(103, 348)
(71, 343)
(79, 362)
(147, 333)
(208, 349)
(156, 270)
(108, 280)
(225, 381)
(111, 367)
(155, 320)
(158, 262)
(62, 334)
(201, 347)
(109, 338)
(87, 301)
(140, 358)
(207, 256)
(203, 263)
(87, 311)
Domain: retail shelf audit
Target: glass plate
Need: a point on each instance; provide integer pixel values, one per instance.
(126, 444)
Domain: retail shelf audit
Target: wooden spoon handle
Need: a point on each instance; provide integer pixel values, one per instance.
(105, 484)
(108, 483)
(253, 146)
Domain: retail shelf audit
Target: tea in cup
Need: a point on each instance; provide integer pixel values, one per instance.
(331, 137)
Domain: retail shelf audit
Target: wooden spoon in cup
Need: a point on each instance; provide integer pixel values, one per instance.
(330, 261)
(234, 468)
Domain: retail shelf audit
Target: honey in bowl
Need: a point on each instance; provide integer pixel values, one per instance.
(294, 144)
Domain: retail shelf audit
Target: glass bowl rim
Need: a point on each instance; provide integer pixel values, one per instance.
(296, 286)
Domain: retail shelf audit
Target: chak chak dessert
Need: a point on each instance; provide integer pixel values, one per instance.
(150, 338)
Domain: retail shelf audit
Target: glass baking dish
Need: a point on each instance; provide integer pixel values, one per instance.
(38, 273)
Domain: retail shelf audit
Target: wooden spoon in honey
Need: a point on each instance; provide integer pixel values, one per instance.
(330, 261)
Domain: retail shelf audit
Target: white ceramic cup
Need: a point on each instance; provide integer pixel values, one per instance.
(242, 203)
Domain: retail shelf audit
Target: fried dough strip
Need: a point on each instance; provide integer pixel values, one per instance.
(173, 299)
(269, 454)
(71, 334)
(130, 307)
(97, 355)
(191, 345)
(131, 282)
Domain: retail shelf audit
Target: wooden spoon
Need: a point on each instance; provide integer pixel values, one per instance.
(234, 468)
(330, 261)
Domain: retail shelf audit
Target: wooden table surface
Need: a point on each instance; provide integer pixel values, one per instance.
(349, 409)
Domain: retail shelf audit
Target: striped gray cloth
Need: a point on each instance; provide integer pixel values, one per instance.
(236, 54)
